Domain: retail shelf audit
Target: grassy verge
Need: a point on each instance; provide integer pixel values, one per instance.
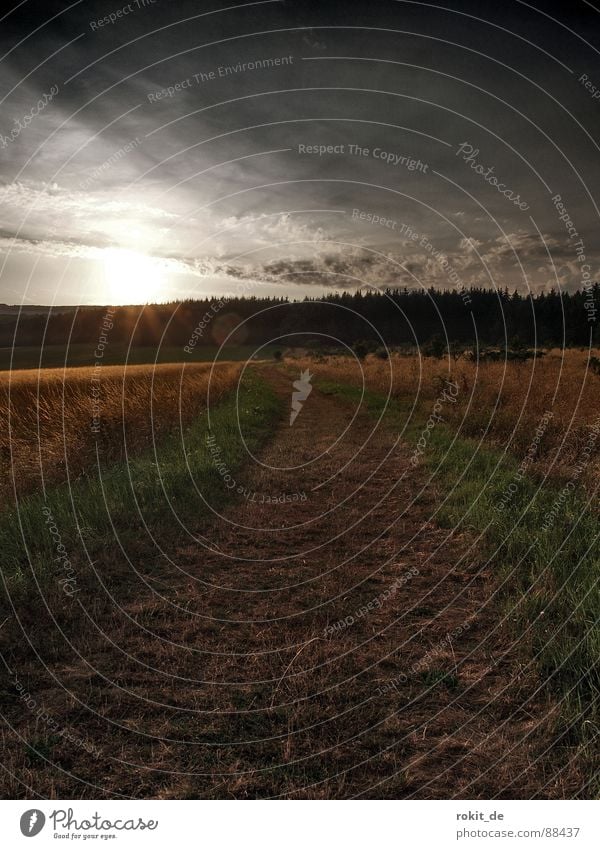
(542, 537)
(49, 535)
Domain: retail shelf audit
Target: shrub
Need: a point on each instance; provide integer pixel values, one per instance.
(361, 349)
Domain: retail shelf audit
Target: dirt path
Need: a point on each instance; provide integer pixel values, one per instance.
(332, 643)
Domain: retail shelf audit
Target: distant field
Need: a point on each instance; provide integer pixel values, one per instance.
(54, 356)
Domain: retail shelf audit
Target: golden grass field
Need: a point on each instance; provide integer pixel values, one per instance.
(503, 403)
(47, 416)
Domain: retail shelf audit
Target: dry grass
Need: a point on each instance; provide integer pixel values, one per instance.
(502, 402)
(47, 417)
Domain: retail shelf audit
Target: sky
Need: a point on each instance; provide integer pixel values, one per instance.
(158, 150)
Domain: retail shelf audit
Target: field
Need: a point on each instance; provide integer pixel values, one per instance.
(394, 595)
(502, 404)
(50, 419)
(61, 356)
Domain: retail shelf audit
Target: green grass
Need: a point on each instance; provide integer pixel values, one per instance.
(180, 477)
(53, 356)
(437, 677)
(551, 587)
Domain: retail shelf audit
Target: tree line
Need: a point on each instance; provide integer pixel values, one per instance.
(475, 317)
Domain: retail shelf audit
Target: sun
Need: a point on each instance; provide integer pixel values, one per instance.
(131, 277)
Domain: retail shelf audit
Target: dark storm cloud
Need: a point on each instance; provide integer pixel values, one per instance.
(181, 131)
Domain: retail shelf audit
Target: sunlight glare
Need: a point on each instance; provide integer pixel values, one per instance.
(131, 277)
